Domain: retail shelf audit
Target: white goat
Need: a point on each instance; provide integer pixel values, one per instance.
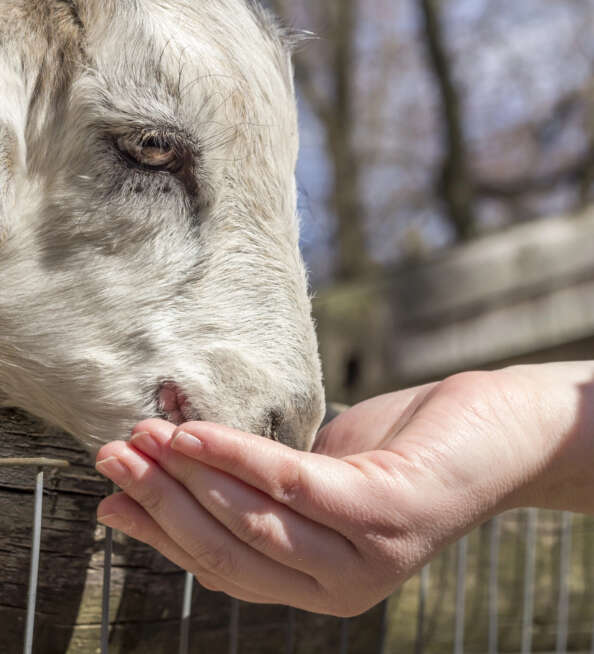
(149, 256)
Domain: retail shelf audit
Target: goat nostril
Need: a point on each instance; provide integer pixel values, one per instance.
(272, 425)
(294, 422)
(173, 404)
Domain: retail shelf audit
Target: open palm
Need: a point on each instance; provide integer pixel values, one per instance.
(390, 483)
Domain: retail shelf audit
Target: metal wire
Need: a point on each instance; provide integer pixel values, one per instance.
(34, 565)
(493, 589)
(234, 627)
(184, 632)
(106, 590)
(291, 620)
(529, 569)
(423, 592)
(564, 570)
(383, 635)
(345, 624)
(462, 549)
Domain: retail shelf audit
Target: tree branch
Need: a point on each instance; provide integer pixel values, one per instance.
(455, 185)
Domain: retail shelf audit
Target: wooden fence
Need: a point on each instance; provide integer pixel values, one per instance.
(522, 583)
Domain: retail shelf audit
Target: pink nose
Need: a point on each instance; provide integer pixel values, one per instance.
(291, 421)
(174, 404)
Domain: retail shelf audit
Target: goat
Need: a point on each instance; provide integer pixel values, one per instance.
(149, 237)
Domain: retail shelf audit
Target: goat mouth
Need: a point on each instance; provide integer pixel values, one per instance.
(173, 404)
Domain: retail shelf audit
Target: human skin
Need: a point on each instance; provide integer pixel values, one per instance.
(391, 482)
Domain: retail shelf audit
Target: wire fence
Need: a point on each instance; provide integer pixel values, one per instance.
(384, 644)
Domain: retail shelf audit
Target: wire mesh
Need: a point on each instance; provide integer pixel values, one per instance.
(528, 584)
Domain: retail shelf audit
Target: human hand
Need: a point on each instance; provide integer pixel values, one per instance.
(409, 473)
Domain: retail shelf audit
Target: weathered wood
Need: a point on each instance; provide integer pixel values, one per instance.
(68, 537)
(526, 293)
(146, 591)
(39, 462)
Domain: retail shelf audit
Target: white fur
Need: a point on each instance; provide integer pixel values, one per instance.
(114, 280)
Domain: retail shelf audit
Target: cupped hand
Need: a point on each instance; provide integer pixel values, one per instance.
(390, 483)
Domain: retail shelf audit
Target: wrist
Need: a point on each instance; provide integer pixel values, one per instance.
(559, 432)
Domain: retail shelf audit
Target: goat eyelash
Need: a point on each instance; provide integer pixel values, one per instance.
(150, 154)
(185, 156)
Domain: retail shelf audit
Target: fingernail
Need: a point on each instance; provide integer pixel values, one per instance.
(186, 442)
(115, 470)
(115, 521)
(146, 443)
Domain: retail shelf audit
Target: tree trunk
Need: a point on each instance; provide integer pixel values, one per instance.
(455, 186)
(334, 106)
(352, 259)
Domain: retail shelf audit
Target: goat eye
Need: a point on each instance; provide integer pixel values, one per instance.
(150, 152)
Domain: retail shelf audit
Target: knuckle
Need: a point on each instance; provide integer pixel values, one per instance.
(253, 530)
(156, 541)
(475, 393)
(115, 448)
(218, 561)
(104, 452)
(149, 497)
(147, 532)
(182, 470)
(288, 487)
(465, 382)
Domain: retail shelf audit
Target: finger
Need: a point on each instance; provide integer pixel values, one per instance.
(265, 525)
(124, 514)
(210, 544)
(155, 426)
(318, 487)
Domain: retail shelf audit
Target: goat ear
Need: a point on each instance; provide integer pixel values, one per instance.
(290, 37)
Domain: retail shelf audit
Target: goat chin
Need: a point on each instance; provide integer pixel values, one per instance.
(148, 224)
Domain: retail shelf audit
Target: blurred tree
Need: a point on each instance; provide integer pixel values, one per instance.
(334, 106)
(455, 185)
(440, 120)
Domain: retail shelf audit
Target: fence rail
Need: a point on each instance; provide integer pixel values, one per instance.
(491, 643)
